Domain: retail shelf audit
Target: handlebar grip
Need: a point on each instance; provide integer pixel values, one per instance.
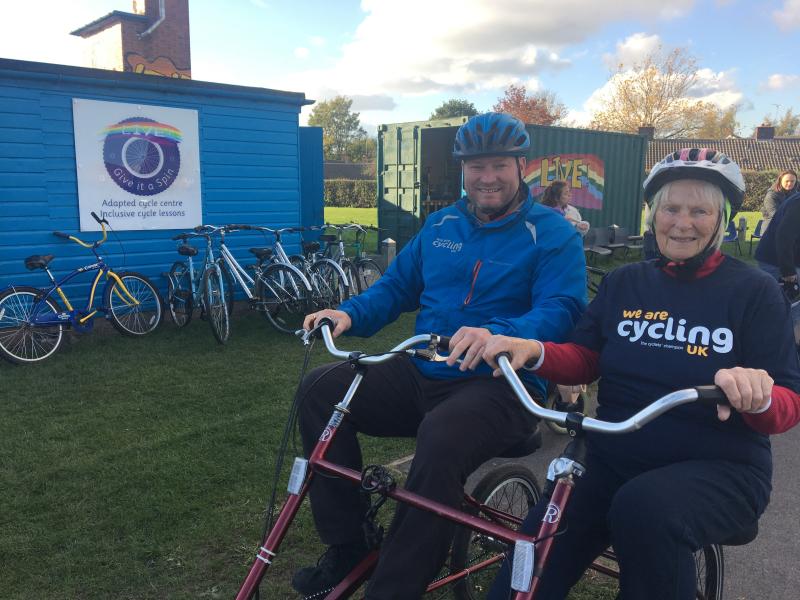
(444, 343)
(199, 229)
(506, 355)
(180, 236)
(61, 234)
(711, 394)
(98, 219)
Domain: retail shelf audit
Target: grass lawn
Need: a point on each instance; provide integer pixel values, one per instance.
(362, 216)
(140, 468)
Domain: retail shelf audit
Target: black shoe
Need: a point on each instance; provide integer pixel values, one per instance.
(576, 406)
(332, 566)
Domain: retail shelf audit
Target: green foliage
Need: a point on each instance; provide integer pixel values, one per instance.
(455, 107)
(717, 123)
(788, 124)
(357, 193)
(757, 183)
(340, 126)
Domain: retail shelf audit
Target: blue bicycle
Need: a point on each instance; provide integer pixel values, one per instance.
(32, 322)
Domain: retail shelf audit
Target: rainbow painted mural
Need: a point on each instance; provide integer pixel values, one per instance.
(585, 173)
(143, 127)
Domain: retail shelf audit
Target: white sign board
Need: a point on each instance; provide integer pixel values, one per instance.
(138, 165)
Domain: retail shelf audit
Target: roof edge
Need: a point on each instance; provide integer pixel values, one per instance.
(23, 69)
(103, 22)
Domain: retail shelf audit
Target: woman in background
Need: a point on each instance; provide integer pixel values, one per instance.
(557, 196)
(785, 185)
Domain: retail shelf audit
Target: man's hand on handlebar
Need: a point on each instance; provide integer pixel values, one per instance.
(340, 318)
(748, 390)
(521, 351)
(467, 344)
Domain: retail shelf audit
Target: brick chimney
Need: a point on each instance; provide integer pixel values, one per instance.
(647, 131)
(765, 131)
(153, 39)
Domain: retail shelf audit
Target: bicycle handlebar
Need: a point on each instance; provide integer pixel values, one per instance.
(60, 234)
(709, 394)
(77, 240)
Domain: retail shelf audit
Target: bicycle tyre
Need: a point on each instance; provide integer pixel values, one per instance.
(710, 567)
(511, 488)
(327, 285)
(285, 297)
(20, 343)
(215, 305)
(351, 273)
(179, 294)
(368, 273)
(230, 285)
(133, 319)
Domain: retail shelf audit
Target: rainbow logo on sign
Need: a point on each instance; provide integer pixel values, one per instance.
(585, 174)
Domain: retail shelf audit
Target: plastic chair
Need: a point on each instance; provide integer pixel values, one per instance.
(755, 235)
(732, 235)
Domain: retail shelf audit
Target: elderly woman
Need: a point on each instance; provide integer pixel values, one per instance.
(696, 475)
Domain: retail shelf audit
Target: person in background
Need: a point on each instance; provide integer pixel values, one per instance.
(557, 196)
(698, 474)
(785, 185)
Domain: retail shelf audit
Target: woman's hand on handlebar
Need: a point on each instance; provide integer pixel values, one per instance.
(340, 318)
(748, 390)
(521, 351)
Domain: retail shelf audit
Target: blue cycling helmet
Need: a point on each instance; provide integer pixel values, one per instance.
(491, 134)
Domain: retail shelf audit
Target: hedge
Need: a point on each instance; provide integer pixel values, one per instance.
(353, 193)
(360, 193)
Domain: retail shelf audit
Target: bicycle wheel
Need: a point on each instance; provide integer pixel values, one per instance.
(20, 341)
(352, 276)
(137, 311)
(285, 297)
(179, 294)
(710, 566)
(511, 489)
(215, 305)
(327, 285)
(368, 273)
(229, 286)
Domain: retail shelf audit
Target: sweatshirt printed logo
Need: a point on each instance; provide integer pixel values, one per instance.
(659, 329)
(448, 244)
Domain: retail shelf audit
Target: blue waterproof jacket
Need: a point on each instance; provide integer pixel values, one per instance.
(523, 275)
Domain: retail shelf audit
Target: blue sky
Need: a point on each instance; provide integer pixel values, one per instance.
(401, 59)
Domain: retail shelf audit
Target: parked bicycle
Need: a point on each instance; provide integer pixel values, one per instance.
(210, 288)
(360, 269)
(32, 322)
(500, 501)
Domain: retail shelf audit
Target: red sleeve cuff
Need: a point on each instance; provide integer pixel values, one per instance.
(569, 364)
(782, 415)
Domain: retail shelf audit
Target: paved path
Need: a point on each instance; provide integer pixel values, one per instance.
(769, 567)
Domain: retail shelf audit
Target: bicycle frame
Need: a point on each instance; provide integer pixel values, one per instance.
(80, 320)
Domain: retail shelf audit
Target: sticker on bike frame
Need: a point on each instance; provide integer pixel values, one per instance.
(552, 514)
(298, 475)
(522, 570)
(326, 434)
(336, 420)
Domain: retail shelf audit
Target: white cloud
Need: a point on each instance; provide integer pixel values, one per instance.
(301, 52)
(373, 102)
(788, 17)
(259, 3)
(780, 81)
(633, 50)
(486, 44)
(317, 41)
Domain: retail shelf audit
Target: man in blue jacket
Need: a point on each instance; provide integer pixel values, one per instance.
(495, 262)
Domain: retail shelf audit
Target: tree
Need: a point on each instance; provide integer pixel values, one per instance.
(541, 108)
(654, 92)
(340, 126)
(362, 149)
(788, 124)
(455, 107)
(717, 123)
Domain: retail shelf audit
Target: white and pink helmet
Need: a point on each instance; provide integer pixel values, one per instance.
(699, 163)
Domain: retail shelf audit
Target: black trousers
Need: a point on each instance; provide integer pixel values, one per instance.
(655, 520)
(459, 424)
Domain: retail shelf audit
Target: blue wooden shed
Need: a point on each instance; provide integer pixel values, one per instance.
(256, 164)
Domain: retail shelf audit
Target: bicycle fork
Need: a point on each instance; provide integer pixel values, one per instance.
(299, 483)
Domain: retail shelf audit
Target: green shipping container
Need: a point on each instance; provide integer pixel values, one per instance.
(417, 174)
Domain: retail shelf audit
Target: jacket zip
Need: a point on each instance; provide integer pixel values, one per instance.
(475, 271)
